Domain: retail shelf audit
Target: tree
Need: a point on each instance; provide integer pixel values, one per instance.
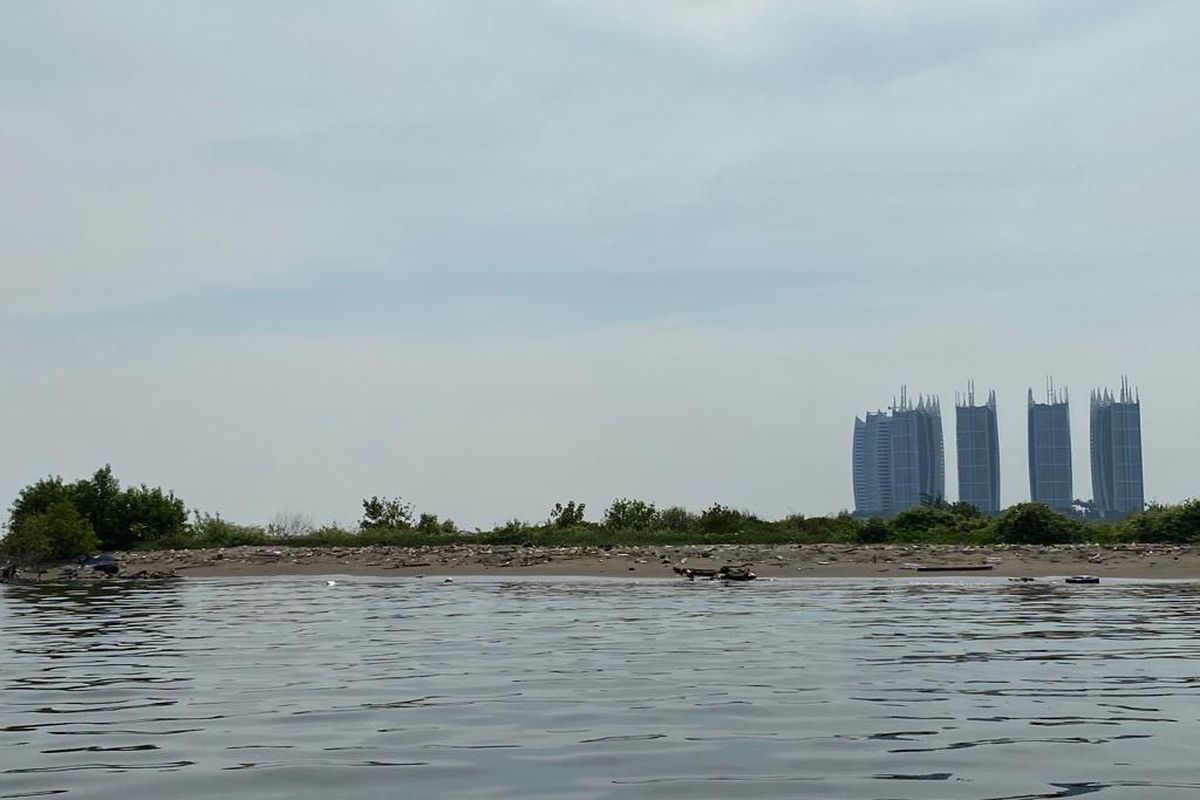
(965, 510)
(569, 515)
(1178, 524)
(29, 542)
(1036, 523)
(874, 531)
(290, 525)
(630, 515)
(117, 519)
(677, 518)
(720, 519)
(383, 512)
(428, 524)
(71, 535)
(37, 499)
(146, 515)
(924, 519)
(100, 500)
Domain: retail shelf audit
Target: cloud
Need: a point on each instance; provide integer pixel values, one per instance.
(282, 259)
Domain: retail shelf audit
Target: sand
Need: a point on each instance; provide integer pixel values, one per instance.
(791, 561)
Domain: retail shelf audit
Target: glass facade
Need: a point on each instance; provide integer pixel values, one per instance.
(1050, 477)
(1116, 448)
(977, 435)
(899, 459)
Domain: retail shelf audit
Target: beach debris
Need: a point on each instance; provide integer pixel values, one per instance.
(448, 580)
(331, 583)
(735, 574)
(956, 568)
(1022, 579)
(1083, 579)
(725, 573)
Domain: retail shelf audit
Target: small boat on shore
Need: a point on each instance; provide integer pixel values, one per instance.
(1083, 579)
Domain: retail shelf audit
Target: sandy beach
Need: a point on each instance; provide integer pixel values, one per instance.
(778, 561)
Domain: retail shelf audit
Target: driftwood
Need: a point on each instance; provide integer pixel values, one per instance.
(725, 573)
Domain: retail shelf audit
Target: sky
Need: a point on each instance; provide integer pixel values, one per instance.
(281, 256)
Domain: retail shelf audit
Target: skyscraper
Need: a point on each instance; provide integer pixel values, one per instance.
(899, 458)
(1050, 451)
(1116, 439)
(978, 438)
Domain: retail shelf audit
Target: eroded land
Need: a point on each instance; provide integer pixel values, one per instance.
(775, 561)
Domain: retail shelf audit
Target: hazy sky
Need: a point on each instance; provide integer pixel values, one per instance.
(283, 255)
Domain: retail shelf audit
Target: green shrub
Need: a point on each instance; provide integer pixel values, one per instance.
(209, 530)
(119, 519)
(384, 512)
(630, 515)
(567, 516)
(873, 531)
(676, 518)
(1164, 524)
(1036, 523)
(29, 542)
(719, 519)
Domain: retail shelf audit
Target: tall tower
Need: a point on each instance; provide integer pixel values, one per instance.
(899, 458)
(1116, 443)
(1050, 450)
(873, 465)
(978, 437)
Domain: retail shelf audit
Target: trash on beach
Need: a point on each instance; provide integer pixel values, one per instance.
(956, 568)
(735, 574)
(726, 573)
(1083, 579)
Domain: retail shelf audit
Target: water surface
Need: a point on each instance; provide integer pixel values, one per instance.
(557, 688)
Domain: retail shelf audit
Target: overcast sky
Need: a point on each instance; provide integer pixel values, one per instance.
(486, 256)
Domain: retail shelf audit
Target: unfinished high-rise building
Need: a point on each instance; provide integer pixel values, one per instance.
(1050, 450)
(977, 435)
(1116, 443)
(899, 459)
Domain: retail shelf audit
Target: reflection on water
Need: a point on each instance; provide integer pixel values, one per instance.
(599, 689)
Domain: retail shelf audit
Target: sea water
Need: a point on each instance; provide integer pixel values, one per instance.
(573, 688)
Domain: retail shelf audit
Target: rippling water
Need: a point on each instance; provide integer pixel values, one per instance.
(291, 688)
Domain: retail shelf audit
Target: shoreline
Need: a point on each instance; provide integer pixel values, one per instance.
(767, 561)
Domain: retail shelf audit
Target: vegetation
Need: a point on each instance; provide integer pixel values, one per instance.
(567, 516)
(388, 513)
(55, 520)
(67, 520)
